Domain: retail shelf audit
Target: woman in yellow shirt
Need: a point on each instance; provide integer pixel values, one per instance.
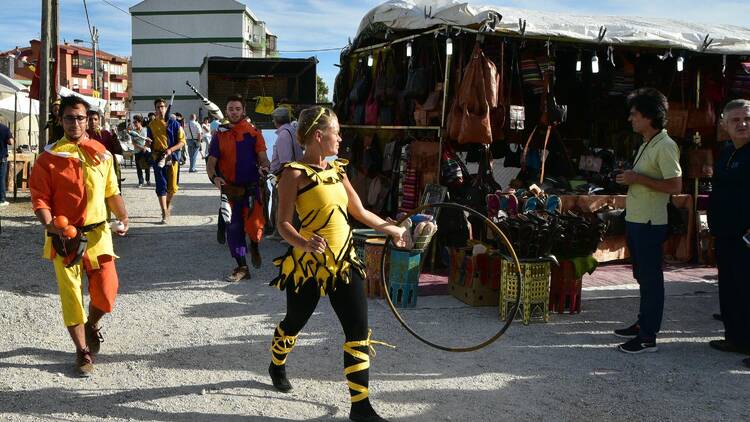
(321, 258)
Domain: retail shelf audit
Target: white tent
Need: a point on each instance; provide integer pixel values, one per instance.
(415, 15)
(96, 103)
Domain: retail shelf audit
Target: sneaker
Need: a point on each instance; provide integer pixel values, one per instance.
(84, 363)
(278, 378)
(629, 332)
(239, 273)
(4, 204)
(255, 255)
(727, 346)
(638, 345)
(140, 185)
(94, 338)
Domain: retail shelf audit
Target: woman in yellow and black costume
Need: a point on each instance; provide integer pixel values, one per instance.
(321, 259)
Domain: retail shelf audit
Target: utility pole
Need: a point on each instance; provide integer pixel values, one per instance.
(55, 42)
(94, 42)
(44, 72)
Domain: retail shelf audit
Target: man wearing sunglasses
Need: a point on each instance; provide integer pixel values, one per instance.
(75, 178)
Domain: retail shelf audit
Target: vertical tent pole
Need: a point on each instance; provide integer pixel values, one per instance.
(15, 142)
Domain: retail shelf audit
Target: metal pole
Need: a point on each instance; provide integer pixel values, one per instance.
(15, 142)
(44, 72)
(54, 37)
(94, 40)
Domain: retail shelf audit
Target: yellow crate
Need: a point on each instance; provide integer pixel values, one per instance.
(534, 289)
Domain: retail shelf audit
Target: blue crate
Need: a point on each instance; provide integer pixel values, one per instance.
(403, 295)
(404, 266)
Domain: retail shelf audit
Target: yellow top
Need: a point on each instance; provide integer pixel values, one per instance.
(159, 135)
(658, 159)
(54, 177)
(322, 210)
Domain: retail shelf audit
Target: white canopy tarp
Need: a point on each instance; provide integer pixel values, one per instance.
(414, 15)
(7, 84)
(96, 103)
(8, 105)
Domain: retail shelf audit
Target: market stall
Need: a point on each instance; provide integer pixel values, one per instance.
(426, 87)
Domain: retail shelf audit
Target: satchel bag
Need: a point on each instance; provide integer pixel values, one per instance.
(474, 98)
(416, 81)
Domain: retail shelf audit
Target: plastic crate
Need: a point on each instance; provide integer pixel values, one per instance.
(403, 295)
(474, 280)
(565, 289)
(403, 267)
(360, 237)
(373, 256)
(534, 290)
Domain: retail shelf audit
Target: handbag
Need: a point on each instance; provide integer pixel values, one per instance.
(362, 83)
(264, 105)
(416, 80)
(372, 109)
(477, 92)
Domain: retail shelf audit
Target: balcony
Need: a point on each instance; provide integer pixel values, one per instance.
(116, 78)
(84, 91)
(118, 95)
(78, 70)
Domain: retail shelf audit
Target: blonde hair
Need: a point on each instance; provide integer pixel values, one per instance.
(312, 119)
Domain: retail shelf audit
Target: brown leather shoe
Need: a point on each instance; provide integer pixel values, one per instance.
(93, 337)
(84, 363)
(239, 273)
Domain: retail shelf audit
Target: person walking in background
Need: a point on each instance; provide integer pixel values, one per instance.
(285, 150)
(106, 138)
(237, 164)
(141, 144)
(167, 139)
(6, 140)
(206, 138)
(656, 175)
(729, 222)
(194, 133)
(73, 183)
(321, 259)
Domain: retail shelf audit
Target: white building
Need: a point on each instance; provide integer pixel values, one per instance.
(171, 38)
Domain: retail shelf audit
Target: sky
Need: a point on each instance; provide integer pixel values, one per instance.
(319, 24)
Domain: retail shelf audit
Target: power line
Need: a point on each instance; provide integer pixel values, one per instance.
(212, 43)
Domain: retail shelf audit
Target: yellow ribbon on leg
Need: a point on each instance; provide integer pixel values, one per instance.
(282, 345)
(349, 347)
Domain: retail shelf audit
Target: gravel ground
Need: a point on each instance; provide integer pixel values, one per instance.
(184, 345)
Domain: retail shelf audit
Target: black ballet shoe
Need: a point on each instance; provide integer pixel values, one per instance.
(278, 377)
(374, 417)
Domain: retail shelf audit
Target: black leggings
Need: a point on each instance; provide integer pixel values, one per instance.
(348, 301)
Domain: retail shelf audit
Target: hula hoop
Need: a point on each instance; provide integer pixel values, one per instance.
(512, 251)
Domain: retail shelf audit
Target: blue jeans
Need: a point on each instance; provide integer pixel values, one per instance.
(645, 246)
(194, 147)
(3, 179)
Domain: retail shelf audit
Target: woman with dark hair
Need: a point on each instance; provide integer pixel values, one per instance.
(321, 259)
(656, 175)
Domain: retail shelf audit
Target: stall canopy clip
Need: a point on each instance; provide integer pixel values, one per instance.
(611, 55)
(602, 32)
(522, 27)
(428, 14)
(490, 24)
(665, 56)
(706, 42)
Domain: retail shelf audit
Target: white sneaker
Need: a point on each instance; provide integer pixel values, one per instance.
(4, 204)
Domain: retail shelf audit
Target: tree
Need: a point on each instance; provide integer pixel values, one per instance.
(322, 90)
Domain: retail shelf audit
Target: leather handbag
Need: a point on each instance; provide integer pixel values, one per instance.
(362, 84)
(477, 92)
(416, 81)
(372, 109)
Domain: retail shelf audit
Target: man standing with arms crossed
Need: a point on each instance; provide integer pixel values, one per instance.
(237, 164)
(75, 178)
(729, 222)
(167, 138)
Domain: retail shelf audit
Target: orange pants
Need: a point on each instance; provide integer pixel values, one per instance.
(103, 284)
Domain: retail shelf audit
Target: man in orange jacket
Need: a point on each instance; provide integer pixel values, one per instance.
(75, 178)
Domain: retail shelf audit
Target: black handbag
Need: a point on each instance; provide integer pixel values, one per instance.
(416, 81)
(362, 84)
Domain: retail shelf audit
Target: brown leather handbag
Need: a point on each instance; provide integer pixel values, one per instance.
(477, 92)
